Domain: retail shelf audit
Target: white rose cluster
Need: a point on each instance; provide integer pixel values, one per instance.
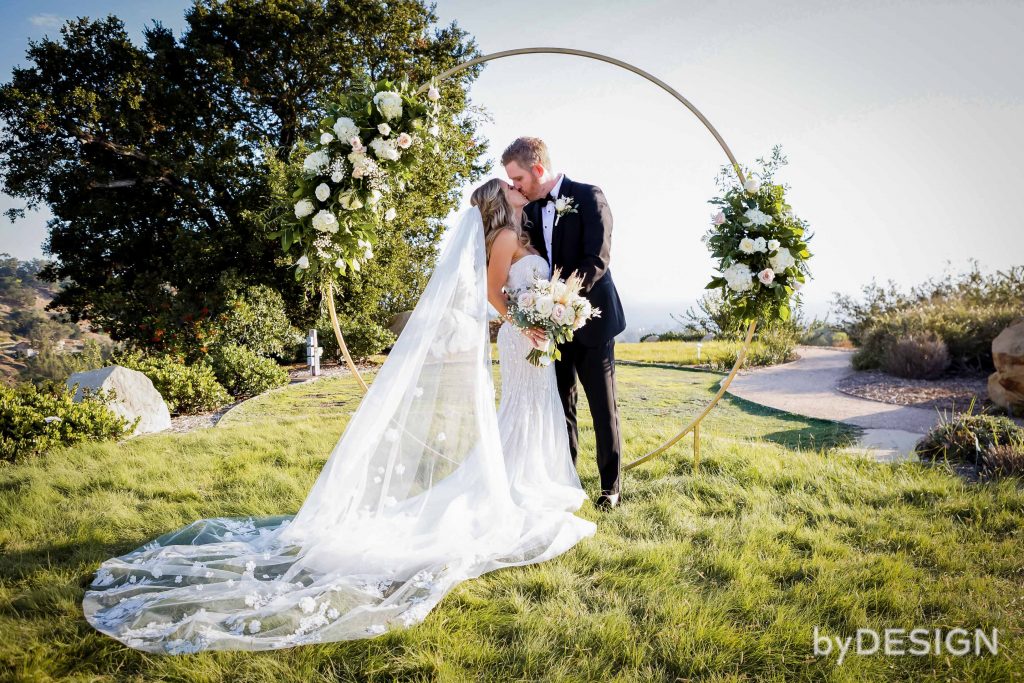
(316, 162)
(389, 104)
(782, 260)
(346, 129)
(385, 149)
(739, 277)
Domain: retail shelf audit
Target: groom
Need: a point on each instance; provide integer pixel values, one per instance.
(581, 241)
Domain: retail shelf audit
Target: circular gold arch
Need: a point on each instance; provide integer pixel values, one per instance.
(694, 426)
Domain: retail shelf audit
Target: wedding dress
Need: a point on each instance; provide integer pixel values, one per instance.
(428, 486)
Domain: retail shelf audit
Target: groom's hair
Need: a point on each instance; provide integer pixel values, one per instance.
(527, 152)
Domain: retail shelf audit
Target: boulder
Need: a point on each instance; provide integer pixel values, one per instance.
(1006, 384)
(136, 395)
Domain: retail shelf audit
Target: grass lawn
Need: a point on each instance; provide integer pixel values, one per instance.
(719, 575)
(713, 353)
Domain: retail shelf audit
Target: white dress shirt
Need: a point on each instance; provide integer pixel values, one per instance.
(548, 215)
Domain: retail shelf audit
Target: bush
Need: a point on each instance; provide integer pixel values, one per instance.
(255, 318)
(244, 372)
(187, 388)
(917, 357)
(363, 338)
(965, 436)
(1004, 460)
(24, 430)
(967, 311)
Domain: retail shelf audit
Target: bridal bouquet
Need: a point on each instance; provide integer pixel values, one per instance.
(554, 305)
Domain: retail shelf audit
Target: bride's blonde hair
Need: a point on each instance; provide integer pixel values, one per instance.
(497, 213)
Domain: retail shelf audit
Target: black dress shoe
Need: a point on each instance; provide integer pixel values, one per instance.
(607, 501)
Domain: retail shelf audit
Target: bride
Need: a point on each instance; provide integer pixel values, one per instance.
(427, 487)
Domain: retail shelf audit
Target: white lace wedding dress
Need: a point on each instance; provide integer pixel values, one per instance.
(530, 415)
(422, 491)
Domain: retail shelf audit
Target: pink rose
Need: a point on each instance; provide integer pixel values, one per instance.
(719, 218)
(404, 140)
(766, 276)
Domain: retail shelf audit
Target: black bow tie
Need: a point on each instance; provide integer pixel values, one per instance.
(547, 200)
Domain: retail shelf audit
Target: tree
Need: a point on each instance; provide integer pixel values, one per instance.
(152, 162)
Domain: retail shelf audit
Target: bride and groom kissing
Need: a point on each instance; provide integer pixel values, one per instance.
(428, 485)
(524, 221)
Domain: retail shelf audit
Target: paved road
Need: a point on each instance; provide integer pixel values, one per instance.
(808, 387)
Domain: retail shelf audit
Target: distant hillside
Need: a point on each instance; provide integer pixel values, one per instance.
(24, 319)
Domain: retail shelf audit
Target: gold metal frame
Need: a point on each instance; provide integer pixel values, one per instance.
(694, 425)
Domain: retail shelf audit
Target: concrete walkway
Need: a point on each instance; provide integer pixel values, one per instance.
(808, 387)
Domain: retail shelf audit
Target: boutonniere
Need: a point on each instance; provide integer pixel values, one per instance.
(564, 205)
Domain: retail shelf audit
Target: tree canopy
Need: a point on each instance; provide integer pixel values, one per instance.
(152, 158)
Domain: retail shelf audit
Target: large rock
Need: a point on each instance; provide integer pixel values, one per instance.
(1006, 384)
(136, 395)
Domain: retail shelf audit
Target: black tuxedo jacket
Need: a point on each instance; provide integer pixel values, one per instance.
(582, 242)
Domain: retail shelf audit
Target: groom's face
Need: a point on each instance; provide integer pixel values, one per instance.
(526, 180)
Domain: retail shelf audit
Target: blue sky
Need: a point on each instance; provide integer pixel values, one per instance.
(901, 121)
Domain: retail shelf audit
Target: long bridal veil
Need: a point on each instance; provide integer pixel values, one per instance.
(413, 499)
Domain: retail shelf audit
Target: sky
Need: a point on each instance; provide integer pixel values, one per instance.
(901, 122)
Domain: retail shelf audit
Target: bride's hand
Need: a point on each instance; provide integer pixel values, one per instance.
(537, 336)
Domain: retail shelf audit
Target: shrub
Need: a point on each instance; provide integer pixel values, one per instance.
(187, 388)
(917, 357)
(255, 318)
(244, 372)
(967, 311)
(24, 430)
(1004, 460)
(363, 338)
(965, 436)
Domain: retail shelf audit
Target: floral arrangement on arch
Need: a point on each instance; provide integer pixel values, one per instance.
(761, 246)
(341, 183)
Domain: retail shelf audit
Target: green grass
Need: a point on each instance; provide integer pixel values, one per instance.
(713, 353)
(717, 575)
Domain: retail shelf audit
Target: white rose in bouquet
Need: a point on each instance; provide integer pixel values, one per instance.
(747, 245)
(782, 260)
(303, 208)
(760, 244)
(346, 129)
(303, 262)
(526, 299)
(568, 316)
(557, 311)
(773, 245)
(384, 129)
(560, 292)
(325, 221)
(766, 276)
(389, 104)
(404, 140)
(390, 214)
(752, 185)
(323, 191)
(543, 305)
(325, 138)
(433, 94)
